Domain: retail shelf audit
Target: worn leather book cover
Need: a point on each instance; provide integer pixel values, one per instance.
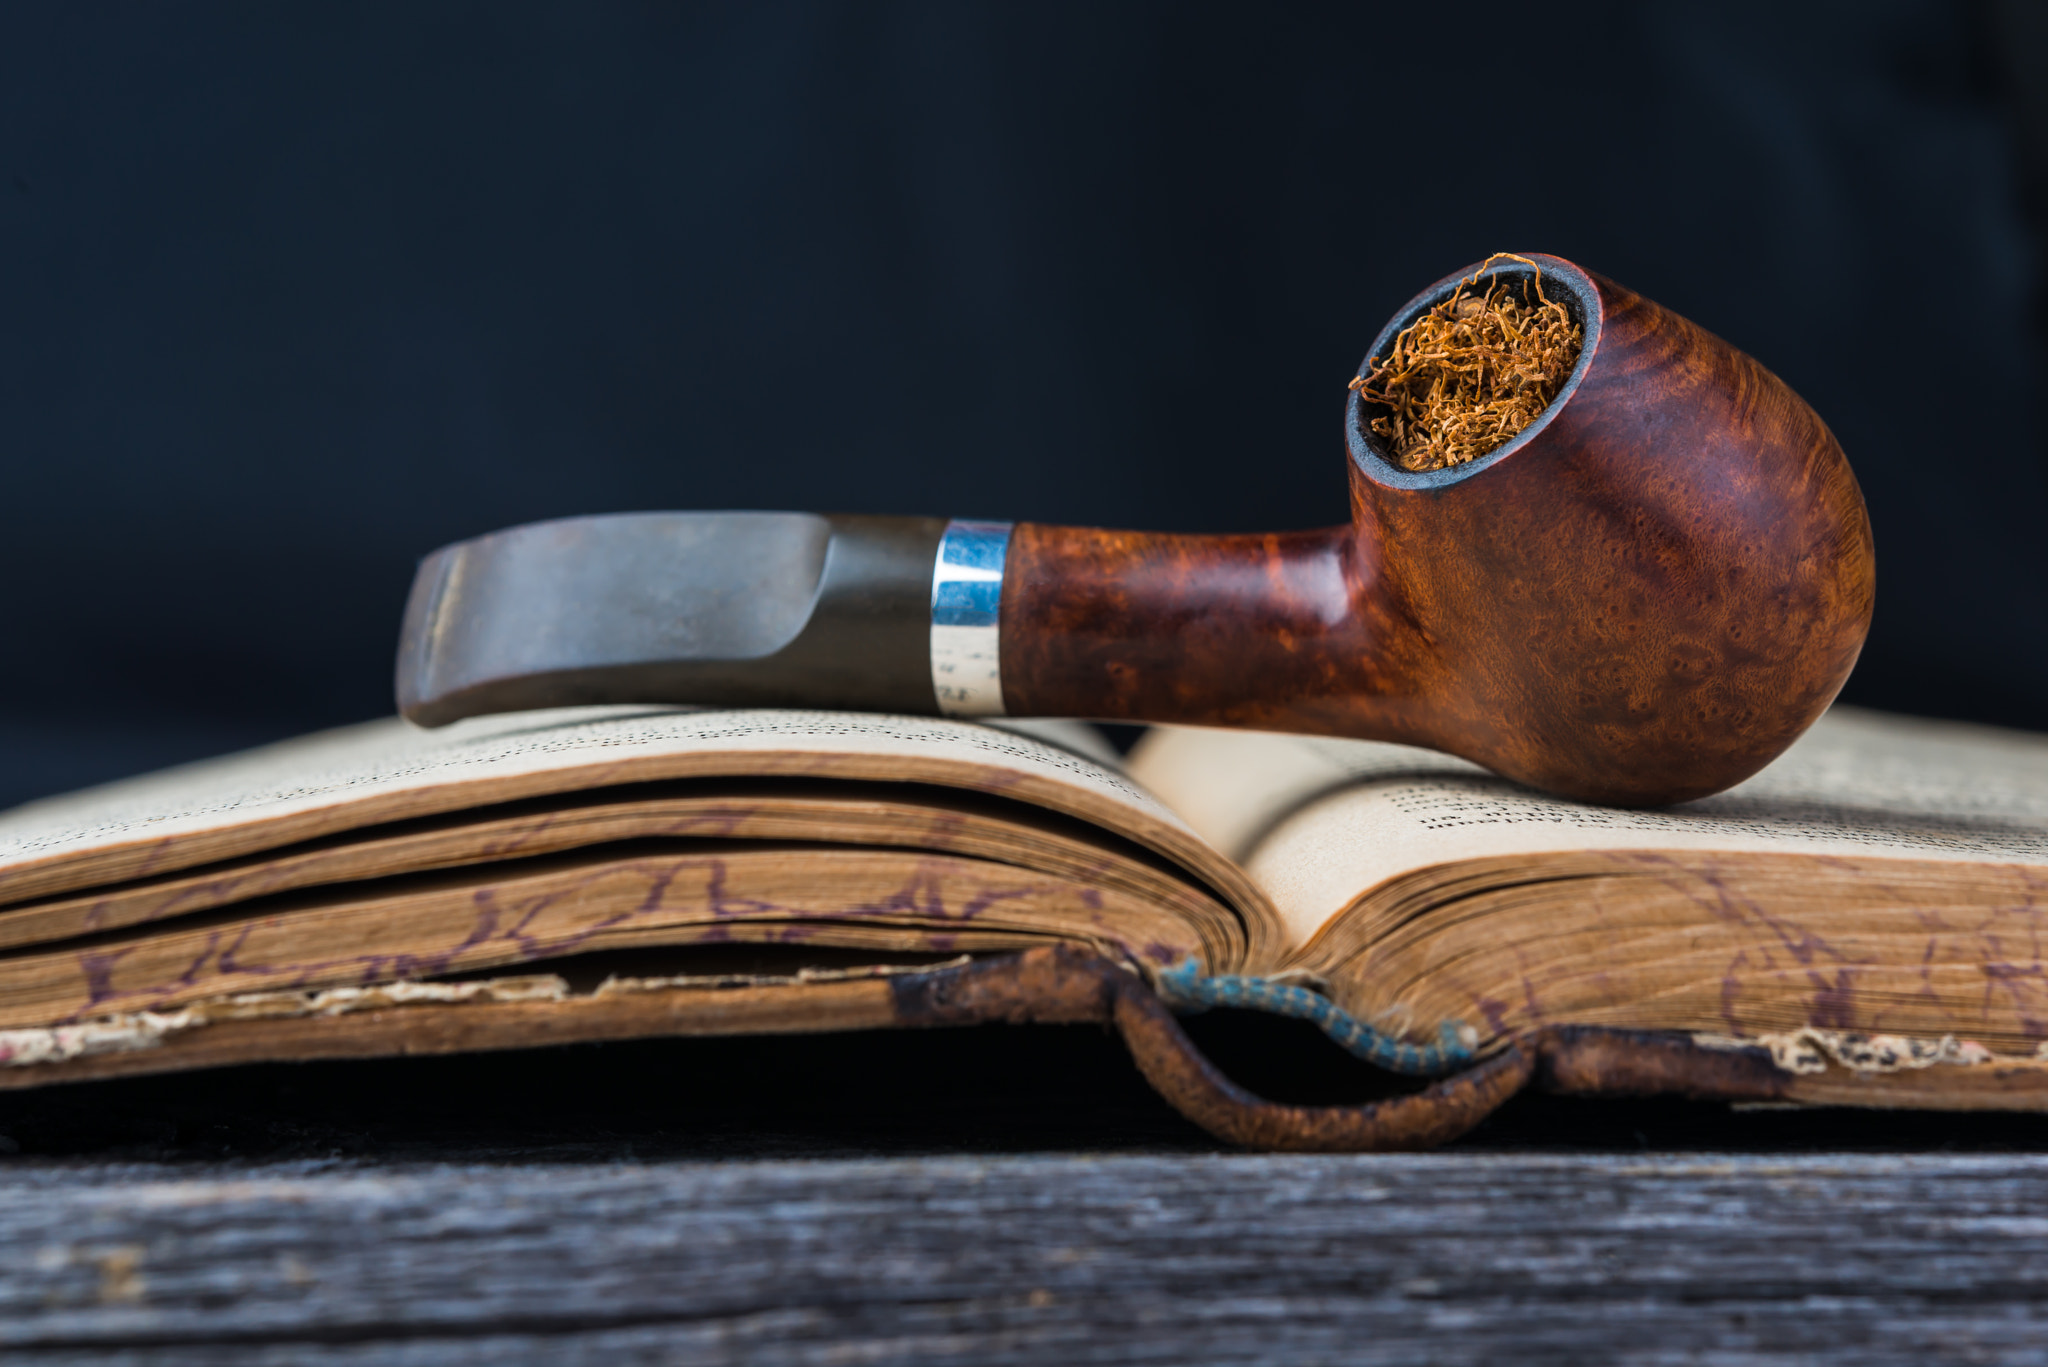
(1858, 925)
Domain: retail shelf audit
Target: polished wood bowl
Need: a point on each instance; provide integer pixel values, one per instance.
(1642, 598)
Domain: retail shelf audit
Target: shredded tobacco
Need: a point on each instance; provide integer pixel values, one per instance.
(1472, 372)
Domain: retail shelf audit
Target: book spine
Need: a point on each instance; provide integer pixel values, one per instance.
(1065, 985)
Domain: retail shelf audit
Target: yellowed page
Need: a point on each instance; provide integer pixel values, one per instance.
(1318, 823)
(388, 770)
(528, 911)
(1234, 787)
(718, 811)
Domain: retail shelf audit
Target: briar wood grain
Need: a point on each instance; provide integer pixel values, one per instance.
(1643, 598)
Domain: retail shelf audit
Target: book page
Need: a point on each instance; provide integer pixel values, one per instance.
(1233, 787)
(389, 770)
(1327, 820)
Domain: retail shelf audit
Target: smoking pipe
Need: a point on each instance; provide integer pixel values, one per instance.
(1642, 598)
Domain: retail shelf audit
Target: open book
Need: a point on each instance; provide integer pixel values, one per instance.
(1866, 922)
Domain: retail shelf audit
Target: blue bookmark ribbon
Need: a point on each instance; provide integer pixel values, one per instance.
(1182, 986)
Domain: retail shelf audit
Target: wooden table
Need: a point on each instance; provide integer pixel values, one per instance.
(977, 1197)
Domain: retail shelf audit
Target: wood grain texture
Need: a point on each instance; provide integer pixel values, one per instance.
(1643, 598)
(1470, 1258)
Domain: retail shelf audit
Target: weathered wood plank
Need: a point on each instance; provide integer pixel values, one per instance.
(602, 1204)
(1450, 1258)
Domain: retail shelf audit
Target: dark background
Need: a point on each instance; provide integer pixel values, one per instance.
(290, 295)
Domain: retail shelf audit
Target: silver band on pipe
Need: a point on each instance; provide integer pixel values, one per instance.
(967, 600)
